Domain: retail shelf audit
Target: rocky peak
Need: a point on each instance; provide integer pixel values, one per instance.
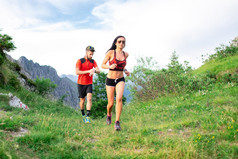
(64, 85)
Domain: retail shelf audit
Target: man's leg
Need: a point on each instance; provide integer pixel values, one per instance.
(82, 94)
(89, 103)
(82, 101)
(81, 104)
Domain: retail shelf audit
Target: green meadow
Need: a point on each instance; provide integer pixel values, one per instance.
(198, 125)
(196, 118)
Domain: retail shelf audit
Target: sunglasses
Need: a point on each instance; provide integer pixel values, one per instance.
(90, 48)
(123, 42)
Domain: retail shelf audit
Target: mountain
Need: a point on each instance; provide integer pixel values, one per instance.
(73, 78)
(64, 85)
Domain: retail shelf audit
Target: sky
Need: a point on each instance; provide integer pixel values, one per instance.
(57, 32)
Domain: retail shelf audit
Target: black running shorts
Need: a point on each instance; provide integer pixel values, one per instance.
(113, 82)
(84, 89)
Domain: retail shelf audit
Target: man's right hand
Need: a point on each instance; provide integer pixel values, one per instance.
(91, 72)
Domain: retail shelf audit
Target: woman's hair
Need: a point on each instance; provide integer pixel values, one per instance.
(113, 47)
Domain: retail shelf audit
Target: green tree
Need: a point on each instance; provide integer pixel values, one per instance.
(143, 84)
(6, 44)
(149, 81)
(44, 86)
(99, 100)
(177, 68)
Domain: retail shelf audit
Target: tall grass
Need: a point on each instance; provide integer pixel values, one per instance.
(202, 124)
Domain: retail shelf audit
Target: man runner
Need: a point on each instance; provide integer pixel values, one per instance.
(85, 69)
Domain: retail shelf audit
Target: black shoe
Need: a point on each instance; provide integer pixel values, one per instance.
(117, 126)
(109, 120)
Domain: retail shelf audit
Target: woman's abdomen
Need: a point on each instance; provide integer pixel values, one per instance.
(115, 74)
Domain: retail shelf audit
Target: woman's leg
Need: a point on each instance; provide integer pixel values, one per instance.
(119, 94)
(110, 97)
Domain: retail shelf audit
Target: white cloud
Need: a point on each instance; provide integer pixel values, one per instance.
(21, 14)
(157, 28)
(151, 27)
(60, 49)
(65, 5)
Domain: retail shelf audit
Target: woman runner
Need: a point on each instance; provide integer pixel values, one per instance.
(115, 78)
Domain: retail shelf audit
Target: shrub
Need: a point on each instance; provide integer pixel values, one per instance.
(23, 76)
(229, 77)
(150, 83)
(223, 51)
(44, 85)
(16, 67)
(1, 59)
(61, 99)
(2, 79)
(99, 98)
(13, 82)
(31, 83)
(99, 108)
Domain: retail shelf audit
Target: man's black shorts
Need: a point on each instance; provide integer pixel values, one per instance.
(84, 89)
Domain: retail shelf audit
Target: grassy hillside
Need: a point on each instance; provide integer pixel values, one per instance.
(219, 66)
(192, 124)
(199, 125)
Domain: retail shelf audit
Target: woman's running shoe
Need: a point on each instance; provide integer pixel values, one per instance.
(117, 126)
(109, 120)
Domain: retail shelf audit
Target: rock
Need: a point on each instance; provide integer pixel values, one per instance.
(19, 133)
(9, 94)
(16, 102)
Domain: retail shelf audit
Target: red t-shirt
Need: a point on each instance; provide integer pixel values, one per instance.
(84, 64)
